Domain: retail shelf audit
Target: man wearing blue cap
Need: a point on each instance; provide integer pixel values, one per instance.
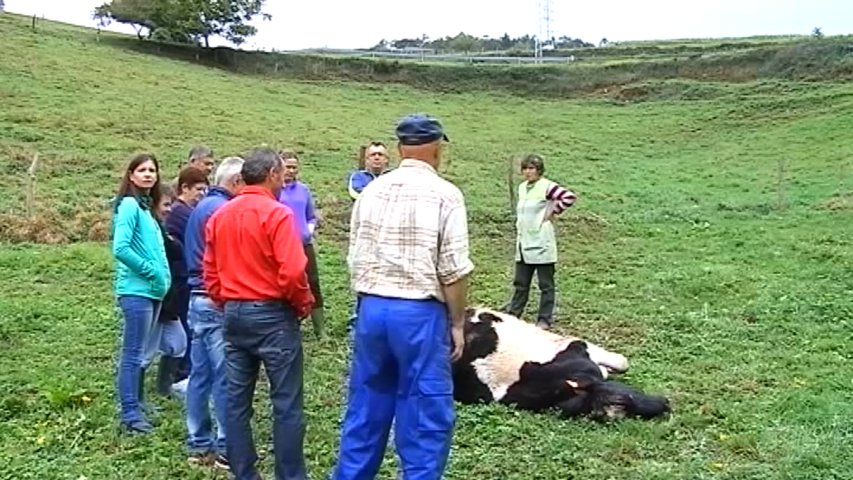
(409, 265)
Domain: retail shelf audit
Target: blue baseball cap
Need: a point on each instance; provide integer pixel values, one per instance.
(419, 129)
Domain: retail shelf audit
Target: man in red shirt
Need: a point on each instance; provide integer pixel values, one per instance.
(254, 267)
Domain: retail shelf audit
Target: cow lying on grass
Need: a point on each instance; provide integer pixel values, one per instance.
(509, 361)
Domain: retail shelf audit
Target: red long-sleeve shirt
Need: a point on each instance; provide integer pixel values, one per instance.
(253, 252)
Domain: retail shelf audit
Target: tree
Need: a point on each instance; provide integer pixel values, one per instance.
(229, 19)
(817, 32)
(185, 20)
(140, 14)
(464, 43)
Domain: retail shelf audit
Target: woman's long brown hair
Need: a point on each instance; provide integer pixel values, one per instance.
(127, 188)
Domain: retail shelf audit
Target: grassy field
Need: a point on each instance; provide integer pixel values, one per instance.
(711, 245)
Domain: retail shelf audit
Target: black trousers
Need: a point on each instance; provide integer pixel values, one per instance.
(521, 285)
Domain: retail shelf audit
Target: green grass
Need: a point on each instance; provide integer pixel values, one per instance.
(711, 245)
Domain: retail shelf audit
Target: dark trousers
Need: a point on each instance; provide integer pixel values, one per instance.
(521, 285)
(313, 273)
(267, 332)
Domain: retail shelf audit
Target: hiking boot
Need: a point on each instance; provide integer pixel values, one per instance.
(166, 373)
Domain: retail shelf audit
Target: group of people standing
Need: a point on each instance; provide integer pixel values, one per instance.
(224, 274)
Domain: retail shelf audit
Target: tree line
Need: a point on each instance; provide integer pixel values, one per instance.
(464, 43)
(185, 21)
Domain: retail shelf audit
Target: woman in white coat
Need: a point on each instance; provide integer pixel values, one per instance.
(540, 200)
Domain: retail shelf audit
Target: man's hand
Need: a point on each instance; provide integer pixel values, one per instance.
(457, 333)
(456, 296)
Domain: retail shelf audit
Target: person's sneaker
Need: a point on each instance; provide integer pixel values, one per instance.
(200, 458)
(179, 389)
(221, 462)
(137, 427)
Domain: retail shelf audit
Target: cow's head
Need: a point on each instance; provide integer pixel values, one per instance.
(612, 400)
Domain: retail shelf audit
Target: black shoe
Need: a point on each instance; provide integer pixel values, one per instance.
(221, 463)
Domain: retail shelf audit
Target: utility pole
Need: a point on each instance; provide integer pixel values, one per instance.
(544, 35)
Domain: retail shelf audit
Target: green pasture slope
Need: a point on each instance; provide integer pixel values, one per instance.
(711, 244)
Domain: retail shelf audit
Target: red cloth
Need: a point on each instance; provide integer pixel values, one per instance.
(253, 252)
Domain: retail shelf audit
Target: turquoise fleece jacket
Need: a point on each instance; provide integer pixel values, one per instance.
(139, 251)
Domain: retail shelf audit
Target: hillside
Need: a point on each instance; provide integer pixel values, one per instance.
(711, 245)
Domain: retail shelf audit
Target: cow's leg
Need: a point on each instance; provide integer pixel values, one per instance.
(613, 361)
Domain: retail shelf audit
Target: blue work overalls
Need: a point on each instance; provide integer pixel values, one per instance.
(401, 372)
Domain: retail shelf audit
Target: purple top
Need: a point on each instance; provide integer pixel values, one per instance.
(297, 196)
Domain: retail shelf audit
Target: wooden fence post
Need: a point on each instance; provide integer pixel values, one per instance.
(31, 186)
(510, 170)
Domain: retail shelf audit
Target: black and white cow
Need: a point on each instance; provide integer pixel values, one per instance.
(513, 362)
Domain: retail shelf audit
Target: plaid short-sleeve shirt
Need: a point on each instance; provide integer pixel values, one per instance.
(408, 234)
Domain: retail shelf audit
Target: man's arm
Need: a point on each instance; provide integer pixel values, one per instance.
(456, 296)
(290, 256)
(454, 268)
(210, 273)
(355, 184)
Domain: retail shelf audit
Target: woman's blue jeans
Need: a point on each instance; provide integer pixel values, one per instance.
(139, 315)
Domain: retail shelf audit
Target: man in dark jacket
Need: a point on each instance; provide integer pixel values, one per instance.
(207, 368)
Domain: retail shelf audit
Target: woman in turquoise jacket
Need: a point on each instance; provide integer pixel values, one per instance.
(141, 281)
(540, 200)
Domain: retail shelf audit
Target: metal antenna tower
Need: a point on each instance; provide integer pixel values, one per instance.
(544, 35)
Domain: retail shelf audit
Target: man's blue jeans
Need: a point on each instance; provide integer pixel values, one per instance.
(401, 374)
(139, 314)
(207, 376)
(268, 332)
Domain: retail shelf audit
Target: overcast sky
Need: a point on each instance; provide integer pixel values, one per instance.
(300, 24)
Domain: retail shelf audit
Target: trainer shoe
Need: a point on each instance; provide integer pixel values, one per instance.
(221, 463)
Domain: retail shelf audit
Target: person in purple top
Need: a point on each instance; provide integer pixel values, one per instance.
(297, 196)
(191, 186)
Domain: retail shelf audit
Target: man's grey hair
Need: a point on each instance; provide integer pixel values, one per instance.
(198, 152)
(227, 170)
(258, 165)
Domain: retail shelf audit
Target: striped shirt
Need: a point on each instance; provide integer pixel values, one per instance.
(561, 197)
(408, 234)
